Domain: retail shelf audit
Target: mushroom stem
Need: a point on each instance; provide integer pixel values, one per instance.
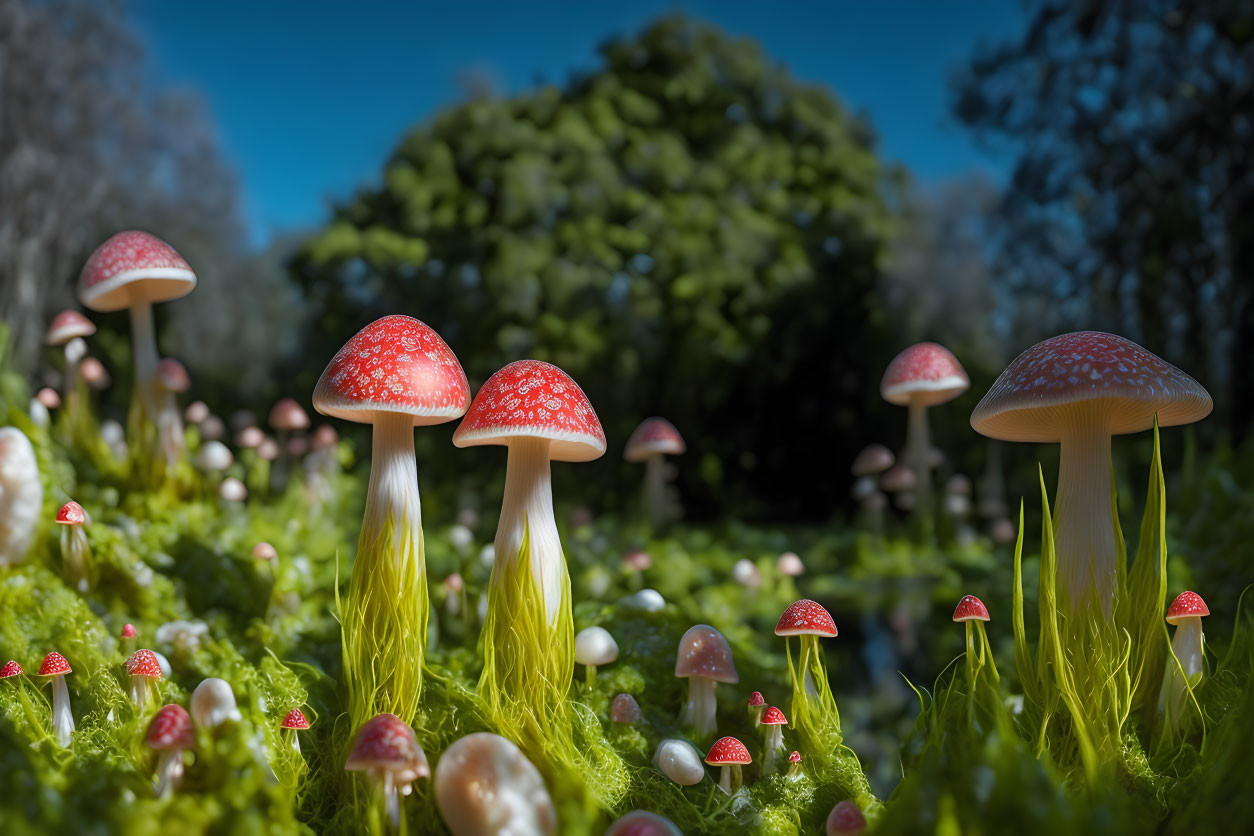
(757, 710)
(1187, 645)
(590, 676)
(169, 771)
(295, 741)
(144, 347)
(655, 489)
(139, 691)
(385, 621)
(774, 743)
(62, 717)
(392, 800)
(1084, 520)
(918, 447)
(170, 428)
(76, 556)
(702, 707)
(729, 778)
(527, 510)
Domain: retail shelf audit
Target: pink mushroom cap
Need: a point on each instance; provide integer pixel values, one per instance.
(130, 268)
(925, 374)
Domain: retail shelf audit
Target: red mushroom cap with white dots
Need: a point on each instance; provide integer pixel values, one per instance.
(71, 513)
(1103, 373)
(295, 719)
(54, 664)
(773, 717)
(144, 663)
(970, 608)
(133, 267)
(795, 757)
(529, 398)
(11, 668)
(806, 618)
(925, 374)
(728, 751)
(1187, 605)
(128, 631)
(171, 728)
(396, 364)
(655, 436)
(66, 326)
(756, 700)
(386, 742)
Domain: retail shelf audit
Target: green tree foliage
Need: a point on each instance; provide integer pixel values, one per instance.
(1132, 200)
(687, 231)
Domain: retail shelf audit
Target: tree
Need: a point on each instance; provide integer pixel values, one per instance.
(687, 231)
(1132, 200)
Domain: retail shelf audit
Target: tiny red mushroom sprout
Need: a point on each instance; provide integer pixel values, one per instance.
(10, 673)
(75, 550)
(972, 612)
(11, 668)
(1185, 671)
(55, 667)
(814, 713)
(651, 442)
(144, 670)
(295, 721)
(388, 752)
(730, 754)
(171, 734)
(757, 704)
(68, 329)
(774, 721)
(794, 764)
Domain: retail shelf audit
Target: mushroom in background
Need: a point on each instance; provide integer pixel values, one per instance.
(846, 819)
(990, 488)
(232, 490)
(774, 721)
(94, 374)
(594, 646)
(171, 734)
(704, 659)
(484, 786)
(653, 440)
(214, 457)
(624, 709)
(387, 751)
(794, 765)
(957, 507)
(196, 413)
(75, 550)
(68, 329)
(48, 398)
(54, 667)
(172, 379)
(286, 417)
(757, 704)
(870, 464)
(643, 823)
(790, 565)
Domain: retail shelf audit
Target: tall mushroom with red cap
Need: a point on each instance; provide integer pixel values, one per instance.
(774, 721)
(651, 442)
(133, 270)
(75, 550)
(540, 415)
(1077, 390)
(172, 379)
(55, 667)
(922, 376)
(1188, 647)
(394, 374)
(388, 752)
(730, 754)
(171, 734)
(814, 713)
(972, 613)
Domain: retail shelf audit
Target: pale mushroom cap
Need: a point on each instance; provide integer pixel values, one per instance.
(680, 761)
(643, 823)
(1104, 374)
(287, 414)
(66, 326)
(251, 437)
(625, 709)
(172, 376)
(133, 267)
(215, 456)
(900, 478)
(655, 436)
(213, 703)
(925, 374)
(595, 646)
(264, 551)
(395, 365)
(532, 399)
(874, 458)
(958, 484)
(790, 564)
(232, 490)
(484, 785)
(705, 653)
(196, 412)
(649, 600)
(386, 743)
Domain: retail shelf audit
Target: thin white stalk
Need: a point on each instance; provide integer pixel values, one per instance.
(702, 706)
(774, 743)
(169, 771)
(144, 348)
(724, 780)
(170, 428)
(393, 489)
(62, 717)
(295, 741)
(392, 799)
(1187, 644)
(918, 449)
(655, 488)
(139, 691)
(1084, 518)
(527, 507)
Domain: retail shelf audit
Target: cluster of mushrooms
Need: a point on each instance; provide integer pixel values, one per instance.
(1077, 390)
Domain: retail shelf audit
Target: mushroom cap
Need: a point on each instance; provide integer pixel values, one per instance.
(529, 398)
(703, 652)
(144, 663)
(925, 374)
(845, 819)
(128, 631)
(1101, 372)
(970, 608)
(214, 455)
(232, 490)
(171, 728)
(728, 751)
(66, 326)
(1187, 605)
(643, 823)
(295, 719)
(773, 717)
(250, 437)
(387, 743)
(172, 376)
(49, 397)
(864, 487)
(213, 703)
(625, 709)
(756, 700)
(54, 664)
(264, 551)
(790, 564)
(93, 373)
(395, 365)
(874, 458)
(71, 513)
(806, 618)
(287, 414)
(636, 561)
(196, 412)
(680, 761)
(11, 668)
(595, 646)
(655, 436)
(133, 267)
(795, 757)
(484, 785)
(958, 484)
(899, 478)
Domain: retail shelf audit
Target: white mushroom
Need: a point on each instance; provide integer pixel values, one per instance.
(680, 761)
(485, 786)
(213, 703)
(594, 646)
(20, 495)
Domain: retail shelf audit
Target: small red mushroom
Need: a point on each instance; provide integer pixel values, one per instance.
(388, 752)
(970, 608)
(774, 720)
(757, 704)
(730, 754)
(1188, 645)
(170, 734)
(11, 668)
(794, 761)
(55, 667)
(295, 721)
(75, 550)
(128, 631)
(143, 668)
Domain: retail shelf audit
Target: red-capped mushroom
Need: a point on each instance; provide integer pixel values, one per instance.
(171, 734)
(68, 329)
(265, 552)
(794, 764)
(730, 754)
(643, 823)
(55, 667)
(846, 819)
(757, 704)
(11, 668)
(287, 415)
(922, 376)
(872, 461)
(133, 270)
(1077, 390)
(128, 631)
(774, 720)
(75, 550)
(972, 613)
(813, 710)
(625, 709)
(651, 442)
(970, 608)
(171, 379)
(704, 659)
(1188, 646)
(388, 752)
(295, 721)
(196, 412)
(394, 374)
(144, 670)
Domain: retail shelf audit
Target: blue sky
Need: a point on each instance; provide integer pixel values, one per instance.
(311, 97)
